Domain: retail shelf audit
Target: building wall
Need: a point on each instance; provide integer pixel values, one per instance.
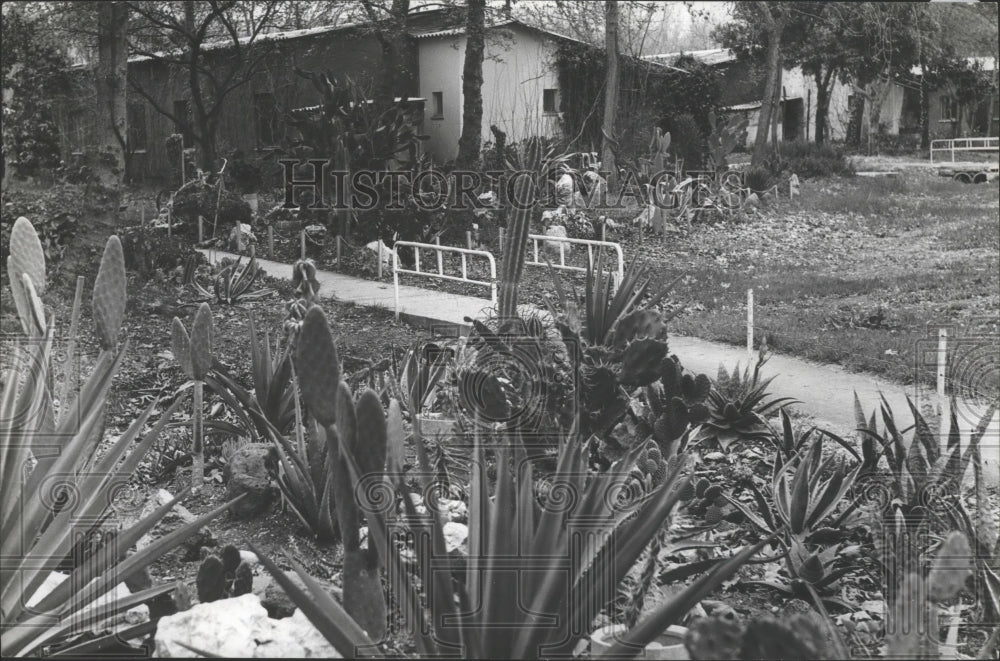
(341, 53)
(518, 66)
(441, 60)
(798, 85)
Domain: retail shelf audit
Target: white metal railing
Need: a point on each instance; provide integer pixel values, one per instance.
(590, 243)
(964, 145)
(439, 249)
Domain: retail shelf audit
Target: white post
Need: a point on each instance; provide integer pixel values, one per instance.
(943, 403)
(395, 277)
(468, 239)
(501, 240)
(142, 216)
(270, 242)
(750, 323)
(440, 255)
(302, 243)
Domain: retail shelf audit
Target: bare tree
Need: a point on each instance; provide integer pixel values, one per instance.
(110, 79)
(214, 67)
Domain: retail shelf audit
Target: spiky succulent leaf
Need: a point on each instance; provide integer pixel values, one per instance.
(641, 360)
(181, 346)
(26, 257)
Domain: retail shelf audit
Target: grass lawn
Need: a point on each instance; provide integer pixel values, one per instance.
(858, 272)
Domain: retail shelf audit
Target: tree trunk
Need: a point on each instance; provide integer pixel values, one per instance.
(823, 105)
(391, 39)
(773, 75)
(472, 87)
(111, 112)
(609, 142)
(776, 111)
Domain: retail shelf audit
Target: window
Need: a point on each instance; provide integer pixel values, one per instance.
(182, 111)
(550, 101)
(949, 109)
(266, 120)
(438, 98)
(136, 127)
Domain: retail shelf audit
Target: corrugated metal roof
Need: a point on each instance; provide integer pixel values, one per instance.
(986, 63)
(751, 105)
(710, 56)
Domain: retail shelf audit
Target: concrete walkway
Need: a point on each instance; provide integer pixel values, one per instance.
(826, 391)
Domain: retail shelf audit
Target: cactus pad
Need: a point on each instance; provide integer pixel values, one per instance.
(181, 346)
(110, 294)
(318, 366)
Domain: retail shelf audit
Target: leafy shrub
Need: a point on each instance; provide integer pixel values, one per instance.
(758, 179)
(808, 159)
(245, 173)
(687, 141)
(54, 211)
(147, 251)
(201, 200)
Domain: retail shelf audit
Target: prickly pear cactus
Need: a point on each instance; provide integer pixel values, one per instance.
(318, 366)
(27, 258)
(201, 342)
(109, 295)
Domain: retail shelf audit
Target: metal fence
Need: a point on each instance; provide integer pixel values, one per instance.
(465, 253)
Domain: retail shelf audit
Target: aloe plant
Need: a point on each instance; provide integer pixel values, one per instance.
(737, 406)
(48, 504)
(194, 353)
(232, 284)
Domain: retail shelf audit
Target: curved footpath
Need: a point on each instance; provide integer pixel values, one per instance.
(826, 392)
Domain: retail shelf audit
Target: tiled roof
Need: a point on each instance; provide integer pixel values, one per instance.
(711, 56)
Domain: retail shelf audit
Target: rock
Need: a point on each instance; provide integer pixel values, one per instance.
(276, 601)
(247, 473)
(176, 517)
(715, 456)
(565, 187)
(555, 246)
(597, 185)
(455, 535)
(645, 218)
(455, 510)
(240, 627)
(793, 185)
(241, 235)
(249, 557)
(753, 201)
(382, 250)
(135, 615)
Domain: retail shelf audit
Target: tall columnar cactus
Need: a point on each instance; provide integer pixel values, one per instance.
(658, 147)
(194, 353)
(360, 430)
(533, 155)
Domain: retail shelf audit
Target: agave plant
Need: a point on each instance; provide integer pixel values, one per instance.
(737, 406)
(924, 494)
(232, 284)
(806, 508)
(494, 608)
(194, 352)
(270, 409)
(51, 499)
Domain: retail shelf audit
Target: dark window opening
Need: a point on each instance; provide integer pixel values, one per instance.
(182, 113)
(438, 104)
(949, 108)
(266, 119)
(550, 101)
(136, 127)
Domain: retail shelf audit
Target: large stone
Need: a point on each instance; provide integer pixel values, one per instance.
(553, 247)
(275, 600)
(240, 627)
(565, 187)
(176, 517)
(247, 473)
(131, 617)
(382, 250)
